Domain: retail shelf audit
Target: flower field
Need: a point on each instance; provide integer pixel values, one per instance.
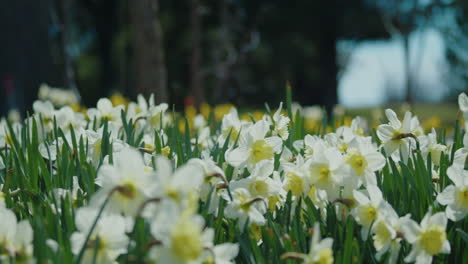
(140, 183)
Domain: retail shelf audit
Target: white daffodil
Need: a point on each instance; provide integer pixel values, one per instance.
(427, 239)
(7, 230)
(140, 108)
(386, 235)
(254, 147)
(44, 110)
(245, 207)
(396, 135)
(67, 118)
(364, 159)
(127, 181)
(327, 171)
(177, 185)
(369, 208)
(107, 241)
(15, 238)
(221, 254)
(182, 236)
(203, 140)
(429, 145)
(157, 117)
(455, 196)
(94, 140)
(280, 123)
(230, 125)
(259, 182)
(213, 177)
(105, 110)
(311, 143)
(320, 251)
(357, 129)
(296, 178)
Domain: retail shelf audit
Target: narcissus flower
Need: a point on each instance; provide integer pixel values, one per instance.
(320, 251)
(127, 181)
(369, 209)
(254, 147)
(245, 207)
(15, 238)
(107, 241)
(455, 196)
(364, 159)
(396, 135)
(428, 239)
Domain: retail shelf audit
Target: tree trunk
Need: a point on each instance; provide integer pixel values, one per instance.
(70, 81)
(327, 58)
(407, 67)
(148, 50)
(196, 79)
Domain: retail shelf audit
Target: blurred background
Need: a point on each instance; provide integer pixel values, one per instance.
(356, 53)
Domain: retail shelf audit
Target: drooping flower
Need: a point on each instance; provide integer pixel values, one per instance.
(396, 135)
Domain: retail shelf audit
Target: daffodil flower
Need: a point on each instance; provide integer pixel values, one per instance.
(396, 135)
(427, 239)
(127, 182)
(455, 196)
(107, 241)
(369, 208)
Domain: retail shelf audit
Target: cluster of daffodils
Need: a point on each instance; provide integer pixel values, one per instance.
(129, 184)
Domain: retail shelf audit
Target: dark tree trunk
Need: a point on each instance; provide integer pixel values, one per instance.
(196, 79)
(26, 52)
(106, 22)
(327, 56)
(407, 67)
(70, 81)
(148, 50)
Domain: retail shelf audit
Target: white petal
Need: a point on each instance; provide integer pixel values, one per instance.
(438, 219)
(447, 196)
(276, 142)
(8, 224)
(374, 193)
(385, 132)
(237, 157)
(360, 197)
(406, 127)
(446, 247)
(24, 234)
(226, 251)
(188, 177)
(375, 161)
(392, 118)
(423, 258)
(411, 230)
(163, 168)
(455, 215)
(456, 174)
